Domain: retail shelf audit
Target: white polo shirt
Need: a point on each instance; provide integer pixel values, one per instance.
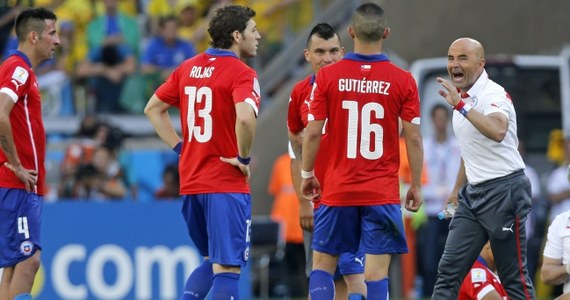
(484, 158)
(558, 242)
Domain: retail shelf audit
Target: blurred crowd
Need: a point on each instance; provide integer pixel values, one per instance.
(114, 53)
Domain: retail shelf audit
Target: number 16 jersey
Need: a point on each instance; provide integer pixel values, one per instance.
(206, 88)
(362, 96)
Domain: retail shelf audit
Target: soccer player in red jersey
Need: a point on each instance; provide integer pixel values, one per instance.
(323, 49)
(218, 96)
(362, 96)
(23, 144)
(481, 283)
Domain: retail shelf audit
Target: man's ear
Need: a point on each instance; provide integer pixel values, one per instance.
(235, 35)
(386, 33)
(351, 33)
(33, 37)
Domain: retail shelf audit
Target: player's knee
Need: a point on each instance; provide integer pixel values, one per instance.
(375, 274)
(354, 279)
(225, 269)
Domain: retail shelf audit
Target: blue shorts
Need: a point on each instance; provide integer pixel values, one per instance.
(20, 214)
(219, 225)
(348, 263)
(351, 263)
(375, 229)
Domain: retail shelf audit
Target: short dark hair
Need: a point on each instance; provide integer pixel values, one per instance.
(368, 22)
(32, 19)
(322, 30)
(225, 21)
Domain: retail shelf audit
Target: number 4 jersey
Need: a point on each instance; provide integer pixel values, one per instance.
(363, 96)
(206, 88)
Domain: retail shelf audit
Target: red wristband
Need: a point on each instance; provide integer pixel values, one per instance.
(459, 105)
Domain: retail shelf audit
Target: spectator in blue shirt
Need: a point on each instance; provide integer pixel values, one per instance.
(164, 53)
(113, 40)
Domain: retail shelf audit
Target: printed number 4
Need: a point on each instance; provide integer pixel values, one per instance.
(23, 227)
(202, 95)
(369, 149)
(248, 231)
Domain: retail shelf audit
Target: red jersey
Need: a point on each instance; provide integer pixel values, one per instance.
(480, 281)
(297, 120)
(17, 80)
(362, 96)
(206, 88)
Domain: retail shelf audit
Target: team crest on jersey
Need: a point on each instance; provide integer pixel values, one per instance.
(26, 248)
(474, 101)
(20, 75)
(246, 254)
(478, 275)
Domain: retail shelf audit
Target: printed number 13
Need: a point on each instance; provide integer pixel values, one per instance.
(203, 94)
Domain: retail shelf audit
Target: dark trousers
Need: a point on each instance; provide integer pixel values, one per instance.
(495, 210)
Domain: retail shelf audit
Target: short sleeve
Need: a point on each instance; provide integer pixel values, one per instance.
(553, 248)
(246, 89)
(294, 119)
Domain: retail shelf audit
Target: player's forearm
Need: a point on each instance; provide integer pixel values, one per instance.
(296, 177)
(7, 142)
(157, 113)
(416, 159)
(311, 143)
(245, 128)
(415, 151)
(296, 140)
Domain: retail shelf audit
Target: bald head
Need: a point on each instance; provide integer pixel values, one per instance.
(465, 62)
(469, 45)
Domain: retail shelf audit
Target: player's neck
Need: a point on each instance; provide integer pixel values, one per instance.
(27, 50)
(367, 48)
(235, 49)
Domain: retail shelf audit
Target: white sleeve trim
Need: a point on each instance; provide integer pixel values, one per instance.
(291, 153)
(253, 105)
(486, 290)
(10, 93)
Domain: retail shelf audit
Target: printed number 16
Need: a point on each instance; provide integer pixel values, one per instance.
(369, 149)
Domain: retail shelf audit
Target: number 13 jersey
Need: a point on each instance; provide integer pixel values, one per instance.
(206, 88)
(362, 96)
